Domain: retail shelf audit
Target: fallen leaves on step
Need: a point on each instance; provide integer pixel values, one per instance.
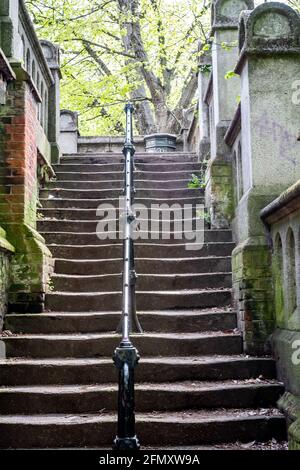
(6, 333)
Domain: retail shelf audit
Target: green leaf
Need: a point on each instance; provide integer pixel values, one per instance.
(230, 74)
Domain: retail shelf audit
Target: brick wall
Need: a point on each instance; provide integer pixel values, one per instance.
(19, 155)
(32, 263)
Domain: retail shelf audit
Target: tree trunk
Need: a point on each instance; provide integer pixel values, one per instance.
(144, 118)
(163, 120)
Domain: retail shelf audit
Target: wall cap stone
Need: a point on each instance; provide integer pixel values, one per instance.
(68, 121)
(209, 90)
(4, 243)
(234, 127)
(271, 28)
(5, 69)
(52, 54)
(22, 75)
(283, 205)
(225, 13)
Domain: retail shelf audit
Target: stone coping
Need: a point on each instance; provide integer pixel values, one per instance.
(104, 139)
(4, 244)
(234, 127)
(209, 90)
(285, 204)
(258, 38)
(5, 68)
(22, 74)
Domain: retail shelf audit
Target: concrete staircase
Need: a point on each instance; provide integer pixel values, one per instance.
(58, 386)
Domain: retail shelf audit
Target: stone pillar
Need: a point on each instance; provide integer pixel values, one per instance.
(69, 133)
(226, 91)
(268, 65)
(51, 53)
(203, 79)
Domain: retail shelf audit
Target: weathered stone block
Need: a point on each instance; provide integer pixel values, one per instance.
(31, 268)
(289, 404)
(6, 252)
(225, 13)
(253, 294)
(219, 193)
(294, 435)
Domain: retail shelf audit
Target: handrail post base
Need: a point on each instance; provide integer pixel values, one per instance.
(126, 443)
(126, 358)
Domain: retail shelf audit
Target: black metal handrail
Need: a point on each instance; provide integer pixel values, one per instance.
(126, 355)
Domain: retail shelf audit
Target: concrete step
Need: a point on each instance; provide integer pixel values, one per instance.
(102, 344)
(92, 370)
(68, 214)
(117, 174)
(149, 202)
(138, 158)
(145, 282)
(156, 429)
(139, 183)
(144, 265)
(185, 321)
(191, 242)
(156, 226)
(118, 192)
(155, 168)
(149, 397)
(108, 249)
(146, 300)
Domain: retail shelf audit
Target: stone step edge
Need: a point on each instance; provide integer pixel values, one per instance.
(109, 335)
(73, 200)
(165, 292)
(170, 360)
(171, 313)
(140, 275)
(121, 172)
(197, 417)
(74, 260)
(196, 386)
(120, 155)
(121, 181)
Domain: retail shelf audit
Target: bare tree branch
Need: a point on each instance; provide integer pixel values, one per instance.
(102, 66)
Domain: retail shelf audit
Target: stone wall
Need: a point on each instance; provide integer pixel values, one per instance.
(253, 123)
(248, 112)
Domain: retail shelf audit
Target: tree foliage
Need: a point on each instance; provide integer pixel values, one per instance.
(116, 50)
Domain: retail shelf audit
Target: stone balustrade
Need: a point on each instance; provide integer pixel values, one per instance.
(282, 220)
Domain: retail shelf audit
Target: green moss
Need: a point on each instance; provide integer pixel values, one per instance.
(30, 268)
(219, 186)
(253, 291)
(294, 435)
(278, 290)
(6, 251)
